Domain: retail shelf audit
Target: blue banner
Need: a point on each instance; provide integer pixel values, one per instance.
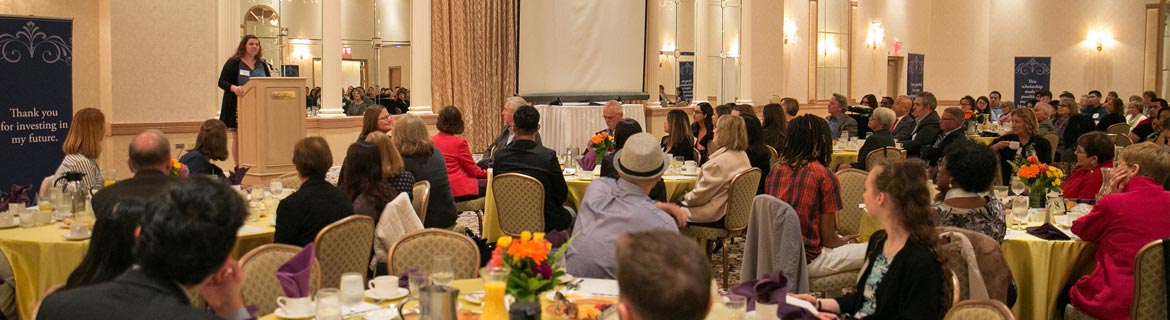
(36, 74)
(915, 65)
(686, 80)
(1032, 75)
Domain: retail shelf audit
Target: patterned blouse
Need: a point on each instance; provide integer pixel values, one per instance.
(988, 219)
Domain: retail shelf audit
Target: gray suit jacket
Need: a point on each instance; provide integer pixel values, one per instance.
(904, 129)
(774, 244)
(847, 124)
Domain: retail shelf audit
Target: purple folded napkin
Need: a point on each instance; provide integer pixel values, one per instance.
(1048, 232)
(771, 289)
(19, 194)
(237, 175)
(294, 274)
(588, 160)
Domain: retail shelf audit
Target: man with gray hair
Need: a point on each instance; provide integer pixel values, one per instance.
(926, 121)
(507, 133)
(952, 124)
(838, 121)
(880, 122)
(150, 160)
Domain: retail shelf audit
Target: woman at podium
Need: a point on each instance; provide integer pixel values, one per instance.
(246, 63)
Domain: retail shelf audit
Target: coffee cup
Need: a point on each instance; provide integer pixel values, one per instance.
(78, 230)
(295, 306)
(384, 286)
(1014, 145)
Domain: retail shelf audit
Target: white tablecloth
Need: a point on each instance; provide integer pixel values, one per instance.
(572, 125)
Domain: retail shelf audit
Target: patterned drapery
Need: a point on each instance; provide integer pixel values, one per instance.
(473, 62)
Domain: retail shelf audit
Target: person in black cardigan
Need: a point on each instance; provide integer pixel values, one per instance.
(303, 214)
(904, 278)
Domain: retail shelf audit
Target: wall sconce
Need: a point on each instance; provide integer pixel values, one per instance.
(1099, 39)
(876, 35)
(789, 31)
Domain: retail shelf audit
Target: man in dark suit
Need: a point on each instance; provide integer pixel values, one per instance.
(183, 244)
(525, 156)
(903, 128)
(926, 120)
(951, 123)
(507, 134)
(150, 160)
(881, 119)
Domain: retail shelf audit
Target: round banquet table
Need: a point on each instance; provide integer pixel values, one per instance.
(676, 187)
(42, 259)
(845, 156)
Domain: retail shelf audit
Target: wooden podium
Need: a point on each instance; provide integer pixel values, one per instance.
(271, 119)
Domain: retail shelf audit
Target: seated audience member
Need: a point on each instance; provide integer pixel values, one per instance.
(678, 141)
(613, 207)
(1120, 224)
(1115, 114)
(624, 129)
(508, 133)
(707, 202)
(757, 152)
(951, 124)
(1094, 151)
(838, 121)
(926, 124)
(110, 250)
(801, 180)
(1023, 133)
(363, 182)
(316, 204)
(649, 291)
(703, 128)
(210, 144)
(150, 160)
(880, 122)
(775, 125)
(82, 147)
(963, 183)
(183, 245)
(376, 120)
(525, 156)
(1078, 125)
(904, 277)
(468, 182)
(425, 162)
(393, 168)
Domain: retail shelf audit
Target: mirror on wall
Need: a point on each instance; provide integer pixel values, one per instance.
(676, 56)
(719, 68)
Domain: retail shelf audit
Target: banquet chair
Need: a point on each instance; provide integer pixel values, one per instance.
(1054, 141)
(852, 182)
(980, 310)
(262, 288)
(417, 249)
(420, 195)
(344, 246)
(884, 153)
(1149, 289)
(475, 205)
(735, 221)
(290, 180)
(519, 203)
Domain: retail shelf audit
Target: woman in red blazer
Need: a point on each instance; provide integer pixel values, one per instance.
(468, 181)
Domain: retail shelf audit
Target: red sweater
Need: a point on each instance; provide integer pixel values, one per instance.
(461, 168)
(1084, 183)
(1120, 224)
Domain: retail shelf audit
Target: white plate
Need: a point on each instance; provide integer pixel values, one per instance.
(476, 297)
(402, 292)
(280, 314)
(69, 236)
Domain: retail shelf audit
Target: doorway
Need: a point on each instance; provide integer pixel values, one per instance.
(894, 75)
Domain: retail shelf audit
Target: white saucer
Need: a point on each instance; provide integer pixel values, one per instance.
(402, 292)
(280, 314)
(69, 236)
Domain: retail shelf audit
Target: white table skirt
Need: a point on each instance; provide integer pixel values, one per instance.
(572, 125)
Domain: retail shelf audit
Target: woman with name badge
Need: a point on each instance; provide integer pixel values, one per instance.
(247, 62)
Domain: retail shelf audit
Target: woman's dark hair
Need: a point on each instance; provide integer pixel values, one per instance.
(775, 125)
(450, 120)
(1078, 124)
(623, 130)
(243, 48)
(1097, 144)
(212, 140)
(111, 249)
(362, 176)
(677, 120)
(708, 112)
(868, 99)
(968, 162)
(808, 140)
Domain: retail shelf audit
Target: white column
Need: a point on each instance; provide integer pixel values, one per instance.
(331, 59)
(420, 57)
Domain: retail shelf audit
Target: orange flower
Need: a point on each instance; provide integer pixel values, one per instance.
(537, 250)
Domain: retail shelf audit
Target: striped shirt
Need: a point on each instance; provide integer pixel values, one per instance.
(76, 162)
(814, 193)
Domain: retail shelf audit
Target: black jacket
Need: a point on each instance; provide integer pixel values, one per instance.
(924, 134)
(931, 153)
(228, 77)
(303, 214)
(879, 139)
(132, 295)
(530, 159)
(144, 185)
(912, 287)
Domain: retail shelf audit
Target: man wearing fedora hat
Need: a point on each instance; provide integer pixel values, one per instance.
(613, 207)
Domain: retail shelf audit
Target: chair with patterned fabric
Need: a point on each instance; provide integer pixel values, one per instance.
(415, 250)
(519, 203)
(735, 222)
(884, 153)
(344, 246)
(420, 194)
(290, 180)
(261, 288)
(980, 310)
(1149, 283)
(852, 182)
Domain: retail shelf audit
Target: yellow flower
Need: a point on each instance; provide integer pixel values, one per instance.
(538, 236)
(504, 242)
(525, 236)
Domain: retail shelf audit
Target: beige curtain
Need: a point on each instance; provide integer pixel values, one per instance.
(473, 62)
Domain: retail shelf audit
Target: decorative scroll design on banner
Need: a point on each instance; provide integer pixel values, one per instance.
(31, 43)
(1032, 67)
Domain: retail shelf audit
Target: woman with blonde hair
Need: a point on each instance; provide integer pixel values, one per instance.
(393, 169)
(82, 147)
(425, 162)
(1021, 143)
(707, 203)
(210, 144)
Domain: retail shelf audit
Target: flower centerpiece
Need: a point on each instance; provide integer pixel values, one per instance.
(1040, 179)
(178, 169)
(601, 143)
(532, 261)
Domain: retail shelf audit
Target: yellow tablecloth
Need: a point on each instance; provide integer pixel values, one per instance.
(675, 189)
(840, 157)
(984, 140)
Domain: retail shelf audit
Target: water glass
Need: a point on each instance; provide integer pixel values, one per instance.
(352, 290)
(418, 279)
(441, 271)
(328, 304)
(736, 306)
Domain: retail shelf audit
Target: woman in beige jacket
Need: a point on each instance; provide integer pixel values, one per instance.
(707, 203)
